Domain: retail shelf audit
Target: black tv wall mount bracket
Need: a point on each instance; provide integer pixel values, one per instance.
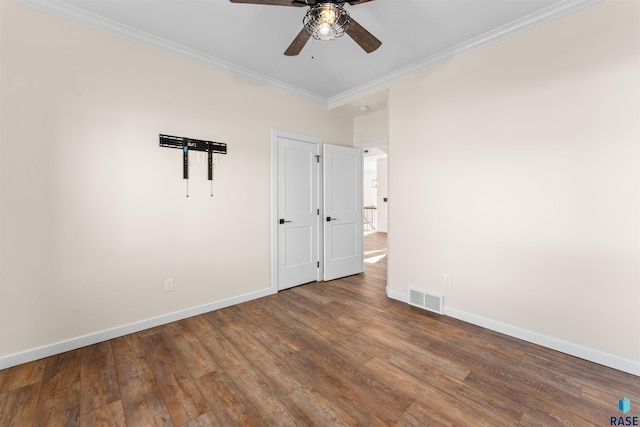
(190, 144)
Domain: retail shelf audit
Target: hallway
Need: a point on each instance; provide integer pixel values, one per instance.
(375, 257)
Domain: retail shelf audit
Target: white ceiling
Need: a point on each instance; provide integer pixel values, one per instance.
(250, 39)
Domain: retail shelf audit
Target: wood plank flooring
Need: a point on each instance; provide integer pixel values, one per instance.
(323, 354)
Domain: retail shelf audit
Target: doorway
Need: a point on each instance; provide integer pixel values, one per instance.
(375, 191)
(316, 210)
(298, 210)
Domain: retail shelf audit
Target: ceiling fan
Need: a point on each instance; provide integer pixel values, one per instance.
(325, 20)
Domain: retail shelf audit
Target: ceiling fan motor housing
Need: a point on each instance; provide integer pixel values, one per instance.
(326, 20)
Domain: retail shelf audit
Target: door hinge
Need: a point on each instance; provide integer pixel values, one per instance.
(317, 158)
(317, 211)
(318, 264)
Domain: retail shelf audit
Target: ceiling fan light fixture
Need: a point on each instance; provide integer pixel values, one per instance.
(326, 21)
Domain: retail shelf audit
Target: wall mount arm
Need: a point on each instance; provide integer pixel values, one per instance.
(190, 144)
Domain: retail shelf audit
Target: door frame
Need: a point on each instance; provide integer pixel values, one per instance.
(275, 134)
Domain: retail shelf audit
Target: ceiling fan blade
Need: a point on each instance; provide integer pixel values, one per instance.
(364, 38)
(356, 2)
(298, 43)
(271, 2)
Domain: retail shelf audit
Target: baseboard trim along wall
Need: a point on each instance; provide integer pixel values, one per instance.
(75, 343)
(585, 353)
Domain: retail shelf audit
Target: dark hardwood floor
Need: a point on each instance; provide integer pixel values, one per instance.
(325, 354)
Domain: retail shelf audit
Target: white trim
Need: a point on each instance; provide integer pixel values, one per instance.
(373, 144)
(83, 341)
(274, 208)
(572, 349)
(586, 353)
(275, 134)
(547, 14)
(397, 296)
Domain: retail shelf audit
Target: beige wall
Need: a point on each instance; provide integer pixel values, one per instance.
(371, 127)
(93, 212)
(523, 160)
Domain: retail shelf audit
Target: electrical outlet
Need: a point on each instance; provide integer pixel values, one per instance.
(168, 285)
(447, 280)
(202, 157)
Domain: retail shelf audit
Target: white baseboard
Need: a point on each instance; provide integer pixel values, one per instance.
(79, 342)
(592, 355)
(397, 296)
(576, 350)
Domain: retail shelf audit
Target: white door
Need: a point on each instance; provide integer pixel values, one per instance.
(297, 212)
(342, 172)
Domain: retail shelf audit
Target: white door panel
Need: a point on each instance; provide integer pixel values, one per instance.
(341, 175)
(298, 219)
(344, 239)
(299, 176)
(343, 253)
(299, 239)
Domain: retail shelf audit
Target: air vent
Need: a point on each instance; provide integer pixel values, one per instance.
(428, 300)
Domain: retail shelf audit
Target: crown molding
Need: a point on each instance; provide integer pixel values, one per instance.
(525, 23)
(540, 17)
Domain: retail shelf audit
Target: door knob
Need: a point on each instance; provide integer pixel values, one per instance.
(283, 221)
(329, 219)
